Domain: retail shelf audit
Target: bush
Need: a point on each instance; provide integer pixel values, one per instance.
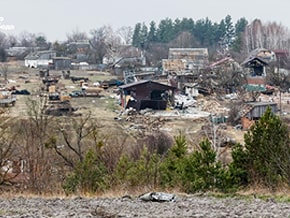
(140, 172)
(88, 176)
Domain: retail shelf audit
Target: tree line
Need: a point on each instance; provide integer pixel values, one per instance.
(222, 38)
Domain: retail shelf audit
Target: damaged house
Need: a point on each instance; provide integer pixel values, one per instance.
(256, 64)
(252, 111)
(185, 59)
(146, 94)
(184, 65)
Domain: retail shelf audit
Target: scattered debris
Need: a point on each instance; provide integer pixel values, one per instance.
(158, 197)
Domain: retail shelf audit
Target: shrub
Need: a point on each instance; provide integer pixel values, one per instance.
(88, 176)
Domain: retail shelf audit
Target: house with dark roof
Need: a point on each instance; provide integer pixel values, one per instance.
(256, 64)
(258, 60)
(146, 94)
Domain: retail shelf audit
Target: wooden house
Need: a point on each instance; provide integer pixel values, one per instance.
(146, 94)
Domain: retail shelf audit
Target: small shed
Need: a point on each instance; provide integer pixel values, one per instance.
(252, 111)
(146, 94)
(61, 63)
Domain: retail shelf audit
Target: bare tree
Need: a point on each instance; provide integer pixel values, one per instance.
(33, 132)
(270, 35)
(3, 40)
(184, 40)
(27, 39)
(98, 43)
(76, 35)
(105, 42)
(8, 151)
(126, 34)
(75, 136)
(12, 40)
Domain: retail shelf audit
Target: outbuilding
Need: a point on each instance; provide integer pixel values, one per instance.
(147, 94)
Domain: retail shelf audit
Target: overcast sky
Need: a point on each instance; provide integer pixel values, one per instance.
(56, 18)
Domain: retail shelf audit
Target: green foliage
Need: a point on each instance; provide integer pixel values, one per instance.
(88, 176)
(205, 33)
(173, 165)
(140, 35)
(197, 171)
(152, 32)
(201, 169)
(237, 168)
(267, 151)
(141, 172)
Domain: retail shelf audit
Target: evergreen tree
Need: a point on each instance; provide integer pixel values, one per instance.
(267, 151)
(230, 30)
(240, 27)
(173, 165)
(227, 31)
(143, 35)
(187, 25)
(165, 31)
(152, 32)
(137, 35)
(203, 32)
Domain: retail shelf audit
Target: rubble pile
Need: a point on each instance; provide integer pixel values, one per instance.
(213, 106)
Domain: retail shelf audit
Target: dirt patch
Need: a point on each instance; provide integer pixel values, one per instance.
(184, 206)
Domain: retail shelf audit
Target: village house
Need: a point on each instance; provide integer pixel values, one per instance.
(147, 94)
(185, 59)
(40, 59)
(256, 64)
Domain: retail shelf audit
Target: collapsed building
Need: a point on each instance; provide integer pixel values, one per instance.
(255, 66)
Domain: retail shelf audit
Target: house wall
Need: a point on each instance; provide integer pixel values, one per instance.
(196, 56)
(259, 110)
(176, 65)
(62, 64)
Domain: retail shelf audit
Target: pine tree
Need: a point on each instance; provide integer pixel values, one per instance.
(152, 32)
(137, 35)
(268, 152)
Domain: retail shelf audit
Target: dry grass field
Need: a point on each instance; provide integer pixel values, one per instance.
(104, 107)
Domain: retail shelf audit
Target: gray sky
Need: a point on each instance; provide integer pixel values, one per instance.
(56, 18)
